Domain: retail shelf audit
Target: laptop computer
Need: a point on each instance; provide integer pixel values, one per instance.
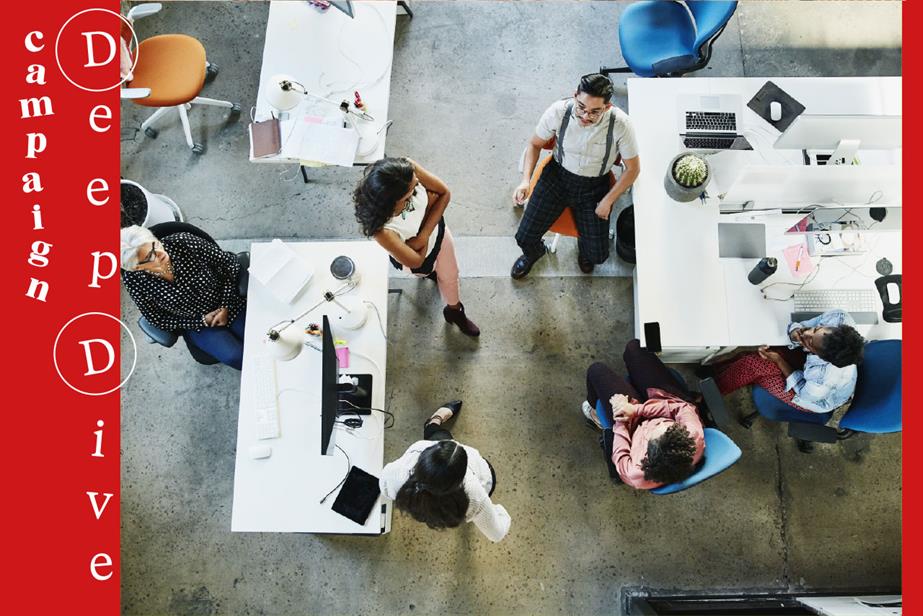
(710, 122)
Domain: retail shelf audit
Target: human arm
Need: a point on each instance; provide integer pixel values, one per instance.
(149, 308)
(831, 318)
(438, 200)
(492, 520)
(632, 170)
(401, 250)
(533, 149)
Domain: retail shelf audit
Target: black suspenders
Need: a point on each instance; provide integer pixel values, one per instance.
(559, 146)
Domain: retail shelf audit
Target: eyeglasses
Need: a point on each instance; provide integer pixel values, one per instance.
(150, 256)
(581, 112)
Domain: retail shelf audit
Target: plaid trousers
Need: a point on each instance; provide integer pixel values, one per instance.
(556, 189)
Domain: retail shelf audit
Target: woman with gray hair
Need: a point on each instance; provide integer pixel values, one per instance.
(187, 284)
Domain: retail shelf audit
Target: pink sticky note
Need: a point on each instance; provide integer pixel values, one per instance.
(342, 357)
(798, 259)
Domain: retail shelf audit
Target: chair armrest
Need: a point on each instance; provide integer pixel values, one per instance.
(715, 403)
(143, 10)
(243, 278)
(156, 335)
(812, 432)
(127, 93)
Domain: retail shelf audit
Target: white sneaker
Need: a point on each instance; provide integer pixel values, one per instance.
(590, 413)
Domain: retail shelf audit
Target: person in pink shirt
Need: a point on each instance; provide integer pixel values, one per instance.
(656, 435)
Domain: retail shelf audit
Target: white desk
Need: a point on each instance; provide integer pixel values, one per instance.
(332, 56)
(702, 302)
(281, 493)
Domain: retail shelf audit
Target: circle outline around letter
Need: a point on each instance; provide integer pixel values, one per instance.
(134, 347)
(57, 40)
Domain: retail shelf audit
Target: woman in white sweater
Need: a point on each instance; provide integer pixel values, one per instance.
(443, 483)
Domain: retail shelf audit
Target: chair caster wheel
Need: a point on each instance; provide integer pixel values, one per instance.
(805, 446)
(235, 109)
(211, 71)
(151, 132)
(844, 433)
(198, 148)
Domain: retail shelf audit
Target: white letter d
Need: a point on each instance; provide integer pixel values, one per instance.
(91, 369)
(91, 59)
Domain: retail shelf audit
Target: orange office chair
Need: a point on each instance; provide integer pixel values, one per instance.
(565, 224)
(169, 73)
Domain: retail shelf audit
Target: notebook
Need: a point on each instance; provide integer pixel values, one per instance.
(265, 138)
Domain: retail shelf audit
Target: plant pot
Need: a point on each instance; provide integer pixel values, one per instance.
(140, 207)
(677, 191)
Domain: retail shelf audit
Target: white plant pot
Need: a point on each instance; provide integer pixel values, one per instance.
(160, 208)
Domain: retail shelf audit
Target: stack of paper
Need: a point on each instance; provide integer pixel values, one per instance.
(281, 271)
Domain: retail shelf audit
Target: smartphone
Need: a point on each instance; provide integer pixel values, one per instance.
(652, 337)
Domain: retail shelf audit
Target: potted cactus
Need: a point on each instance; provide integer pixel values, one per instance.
(686, 177)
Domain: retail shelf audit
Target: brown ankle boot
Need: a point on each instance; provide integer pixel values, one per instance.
(457, 316)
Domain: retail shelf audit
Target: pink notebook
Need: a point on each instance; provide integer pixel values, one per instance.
(798, 259)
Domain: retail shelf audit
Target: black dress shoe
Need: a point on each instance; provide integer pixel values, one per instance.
(585, 265)
(522, 267)
(457, 316)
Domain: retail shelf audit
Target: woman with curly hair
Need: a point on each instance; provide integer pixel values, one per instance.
(656, 436)
(400, 205)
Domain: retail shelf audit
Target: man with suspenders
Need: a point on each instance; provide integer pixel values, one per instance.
(590, 135)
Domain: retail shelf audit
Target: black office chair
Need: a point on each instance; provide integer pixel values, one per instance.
(168, 339)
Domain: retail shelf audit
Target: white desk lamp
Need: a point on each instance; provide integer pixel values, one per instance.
(284, 93)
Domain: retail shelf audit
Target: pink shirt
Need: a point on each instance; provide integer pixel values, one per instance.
(629, 446)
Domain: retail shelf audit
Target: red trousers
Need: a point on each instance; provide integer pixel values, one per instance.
(751, 369)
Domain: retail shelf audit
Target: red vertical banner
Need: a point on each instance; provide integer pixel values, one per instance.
(63, 365)
(912, 219)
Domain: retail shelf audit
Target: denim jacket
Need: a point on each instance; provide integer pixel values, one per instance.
(822, 387)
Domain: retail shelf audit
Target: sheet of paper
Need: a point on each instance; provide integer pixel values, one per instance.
(282, 271)
(798, 259)
(329, 144)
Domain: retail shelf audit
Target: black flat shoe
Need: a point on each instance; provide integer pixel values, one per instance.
(585, 265)
(455, 406)
(522, 267)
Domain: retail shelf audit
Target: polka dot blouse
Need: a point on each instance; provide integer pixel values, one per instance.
(204, 279)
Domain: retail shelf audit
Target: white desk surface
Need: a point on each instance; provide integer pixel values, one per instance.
(281, 493)
(332, 56)
(700, 300)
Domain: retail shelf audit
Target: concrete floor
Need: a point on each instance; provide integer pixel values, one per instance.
(778, 520)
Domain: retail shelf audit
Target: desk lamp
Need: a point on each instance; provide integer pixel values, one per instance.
(287, 349)
(284, 93)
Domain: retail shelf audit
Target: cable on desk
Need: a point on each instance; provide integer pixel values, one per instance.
(349, 465)
(798, 286)
(381, 324)
(388, 414)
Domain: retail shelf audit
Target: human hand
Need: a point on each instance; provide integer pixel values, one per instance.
(766, 353)
(418, 243)
(221, 319)
(603, 210)
(622, 409)
(521, 194)
(209, 319)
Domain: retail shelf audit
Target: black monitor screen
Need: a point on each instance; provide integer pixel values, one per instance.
(328, 389)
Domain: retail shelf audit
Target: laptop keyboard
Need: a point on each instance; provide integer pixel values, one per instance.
(711, 121)
(709, 143)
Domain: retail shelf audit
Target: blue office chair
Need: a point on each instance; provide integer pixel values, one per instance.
(876, 405)
(720, 454)
(720, 451)
(167, 339)
(664, 39)
(875, 408)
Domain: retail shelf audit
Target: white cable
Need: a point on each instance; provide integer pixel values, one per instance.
(381, 325)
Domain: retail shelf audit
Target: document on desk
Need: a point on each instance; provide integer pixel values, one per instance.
(328, 144)
(282, 271)
(798, 259)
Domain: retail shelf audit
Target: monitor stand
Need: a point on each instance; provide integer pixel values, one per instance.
(359, 395)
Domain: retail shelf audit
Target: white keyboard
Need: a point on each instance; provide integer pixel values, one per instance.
(863, 305)
(265, 397)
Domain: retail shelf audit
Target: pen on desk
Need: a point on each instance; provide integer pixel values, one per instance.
(798, 258)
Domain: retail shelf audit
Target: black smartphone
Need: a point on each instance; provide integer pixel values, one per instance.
(652, 337)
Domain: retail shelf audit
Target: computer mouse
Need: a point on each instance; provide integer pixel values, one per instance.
(260, 451)
(775, 111)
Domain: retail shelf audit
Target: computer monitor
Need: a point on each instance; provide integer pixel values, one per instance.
(844, 134)
(329, 394)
